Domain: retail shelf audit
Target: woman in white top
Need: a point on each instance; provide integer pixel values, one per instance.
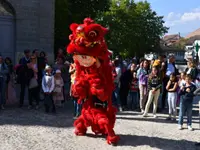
(33, 83)
(192, 71)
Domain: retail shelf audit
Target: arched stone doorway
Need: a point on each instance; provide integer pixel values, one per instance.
(7, 30)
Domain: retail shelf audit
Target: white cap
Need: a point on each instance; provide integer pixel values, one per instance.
(47, 67)
(58, 71)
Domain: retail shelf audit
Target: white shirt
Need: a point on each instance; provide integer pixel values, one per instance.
(170, 69)
(27, 59)
(119, 73)
(189, 70)
(182, 83)
(48, 83)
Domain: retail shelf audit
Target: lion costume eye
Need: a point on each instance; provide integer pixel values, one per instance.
(92, 34)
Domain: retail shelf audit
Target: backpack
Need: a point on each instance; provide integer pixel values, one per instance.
(143, 79)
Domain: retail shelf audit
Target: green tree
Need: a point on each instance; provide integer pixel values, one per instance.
(69, 11)
(134, 27)
(61, 22)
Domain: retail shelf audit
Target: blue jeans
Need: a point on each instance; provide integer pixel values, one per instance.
(133, 100)
(77, 107)
(2, 91)
(185, 107)
(115, 97)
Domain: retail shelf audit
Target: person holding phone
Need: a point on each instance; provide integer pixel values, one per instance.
(186, 104)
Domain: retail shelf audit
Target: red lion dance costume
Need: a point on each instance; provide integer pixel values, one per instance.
(94, 81)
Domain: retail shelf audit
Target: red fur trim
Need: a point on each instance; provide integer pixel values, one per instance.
(96, 28)
(80, 128)
(73, 27)
(88, 21)
(113, 139)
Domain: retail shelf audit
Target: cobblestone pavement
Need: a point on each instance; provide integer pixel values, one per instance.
(23, 129)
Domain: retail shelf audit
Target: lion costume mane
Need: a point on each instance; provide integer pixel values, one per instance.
(94, 81)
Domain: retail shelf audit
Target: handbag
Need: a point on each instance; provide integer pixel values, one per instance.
(33, 83)
(57, 90)
(143, 79)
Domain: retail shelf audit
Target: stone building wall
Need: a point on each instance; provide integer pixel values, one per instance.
(34, 25)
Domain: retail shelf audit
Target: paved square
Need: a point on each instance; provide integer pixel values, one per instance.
(23, 129)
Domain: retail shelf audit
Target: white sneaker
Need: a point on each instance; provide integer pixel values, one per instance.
(144, 115)
(180, 127)
(142, 110)
(155, 116)
(190, 128)
(120, 109)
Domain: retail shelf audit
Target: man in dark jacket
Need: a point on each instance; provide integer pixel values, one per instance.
(3, 78)
(23, 76)
(125, 81)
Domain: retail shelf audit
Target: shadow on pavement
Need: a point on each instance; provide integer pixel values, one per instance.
(24, 117)
(156, 142)
(157, 120)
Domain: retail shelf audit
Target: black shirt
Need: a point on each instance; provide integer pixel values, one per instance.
(154, 82)
(172, 86)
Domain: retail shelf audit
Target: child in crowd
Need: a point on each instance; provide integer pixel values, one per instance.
(187, 95)
(58, 96)
(142, 75)
(181, 81)
(172, 86)
(133, 100)
(73, 94)
(48, 85)
(154, 85)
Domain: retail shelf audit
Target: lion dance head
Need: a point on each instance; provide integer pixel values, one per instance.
(87, 42)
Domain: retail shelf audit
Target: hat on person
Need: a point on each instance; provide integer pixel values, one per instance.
(58, 71)
(156, 63)
(171, 55)
(47, 67)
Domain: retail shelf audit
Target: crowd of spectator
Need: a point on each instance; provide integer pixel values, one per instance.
(30, 73)
(138, 84)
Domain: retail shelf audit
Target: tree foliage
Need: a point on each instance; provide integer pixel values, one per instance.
(134, 27)
(69, 11)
